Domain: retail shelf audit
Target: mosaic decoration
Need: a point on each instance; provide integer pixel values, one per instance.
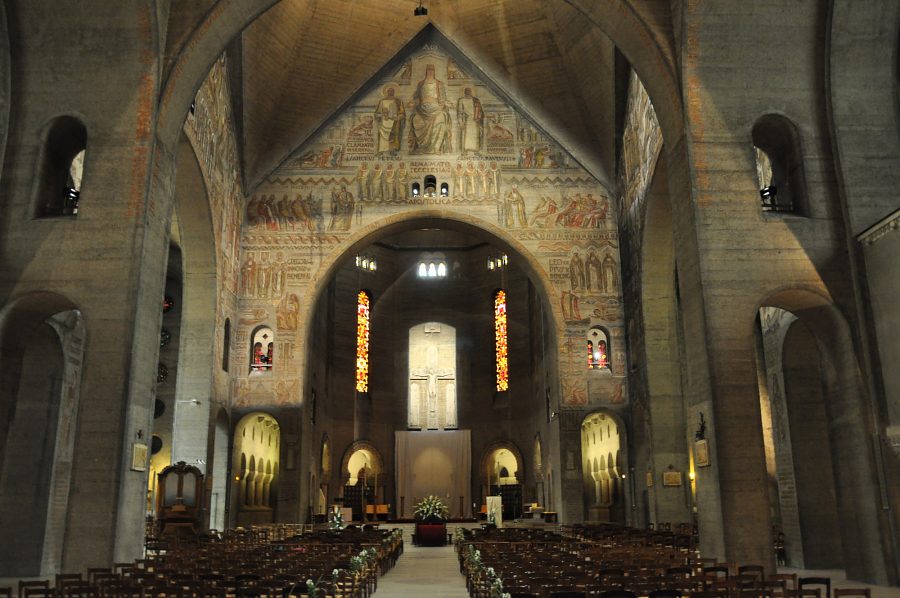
(362, 342)
(501, 347)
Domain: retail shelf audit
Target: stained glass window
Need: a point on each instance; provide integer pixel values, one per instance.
(598, 349)
(262, 356)
(500, 341)
(362, 342)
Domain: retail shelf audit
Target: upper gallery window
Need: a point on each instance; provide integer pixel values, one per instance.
(262, 358)
(501, 348)
(60, 168)
(362, 341)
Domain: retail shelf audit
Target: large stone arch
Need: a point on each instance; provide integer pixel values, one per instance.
(434, 218)
(193, 408)
(42, 338)
(485, 463)
(864, 531)
(353, 448)
(661, 360)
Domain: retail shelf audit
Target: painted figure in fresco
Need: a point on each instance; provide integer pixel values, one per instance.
(515, 209)
(494, 181)
(283, 213)
(288, 311)
(610, 278)
(387, 183)
(342, 205)
(545, 213)
(362, 181)
(375, 180)
(459, 177)
(576, 271)
(594, 271)
(484, 180)
(263, 277)
(390, 116)
(277, 276)
(430, 120)
(401, 182)
(300, 213)
(567, 216)
(248, 276)
(470, 119)
(471, 182)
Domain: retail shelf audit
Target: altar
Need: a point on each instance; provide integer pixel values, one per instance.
(433, 463)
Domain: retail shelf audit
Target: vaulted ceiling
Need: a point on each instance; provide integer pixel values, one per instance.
(301, 60)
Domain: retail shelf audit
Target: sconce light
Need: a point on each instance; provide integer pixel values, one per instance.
(445, 190)
(420, 11)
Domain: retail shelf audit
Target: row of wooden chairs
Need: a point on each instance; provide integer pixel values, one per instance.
(252, 563)
(621, 562)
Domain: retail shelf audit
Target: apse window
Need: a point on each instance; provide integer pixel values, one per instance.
(432, 269)
(598, 349)
(495, 262)
(363, 323)
(366, 263)
(262, 356)
(60, 169)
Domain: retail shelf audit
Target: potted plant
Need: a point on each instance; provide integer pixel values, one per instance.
(431, 521)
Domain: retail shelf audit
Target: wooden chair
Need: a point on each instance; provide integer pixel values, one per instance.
(618, 594)
(789, 579)
(567, 594)
(852, 593)
(755, 570)
(29, 586)
(805, 582)
(666, 594)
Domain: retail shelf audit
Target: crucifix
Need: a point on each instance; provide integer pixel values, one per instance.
(429, 377)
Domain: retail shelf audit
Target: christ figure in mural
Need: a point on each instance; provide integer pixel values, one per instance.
(430, 120)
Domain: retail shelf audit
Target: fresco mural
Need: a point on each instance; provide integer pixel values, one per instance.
(432, 135)
(210, 130)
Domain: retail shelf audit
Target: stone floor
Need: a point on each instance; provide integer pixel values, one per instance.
(424, 571)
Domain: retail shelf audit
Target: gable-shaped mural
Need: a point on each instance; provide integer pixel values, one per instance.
(432, 134)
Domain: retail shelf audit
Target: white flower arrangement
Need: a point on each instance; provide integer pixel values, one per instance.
(431, 507)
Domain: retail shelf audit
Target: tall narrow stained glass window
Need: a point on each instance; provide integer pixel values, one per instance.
(500, 341)
(362, 342)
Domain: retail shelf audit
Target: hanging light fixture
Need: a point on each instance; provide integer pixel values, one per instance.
(420, 11)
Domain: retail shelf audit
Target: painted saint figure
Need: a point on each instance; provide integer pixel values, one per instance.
(390, 115)
(470, 117)
(515, 209)
(430, 120)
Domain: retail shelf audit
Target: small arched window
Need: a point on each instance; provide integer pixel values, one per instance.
(60, 168)
(779, 165)
(262, 349)
(226, 344)
(598, 349)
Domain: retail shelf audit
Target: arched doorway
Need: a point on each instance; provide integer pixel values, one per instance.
(43, 338)
(502, 473)
(823, 491)
(603, 467)
(255, 463)
(362, 479)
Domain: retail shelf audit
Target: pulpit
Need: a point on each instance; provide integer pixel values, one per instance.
(178, 504)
